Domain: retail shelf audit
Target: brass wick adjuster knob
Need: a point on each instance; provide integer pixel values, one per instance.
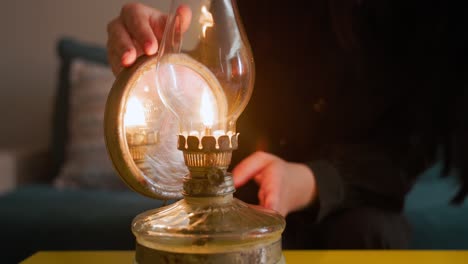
(215, 176)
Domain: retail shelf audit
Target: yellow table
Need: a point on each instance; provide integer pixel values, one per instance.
(292, 256)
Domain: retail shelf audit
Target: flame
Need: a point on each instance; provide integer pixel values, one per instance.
(207, 109)
(206, 19)
(135, 113)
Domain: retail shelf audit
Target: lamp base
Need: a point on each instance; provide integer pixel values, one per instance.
(220, 229)
(145, 255)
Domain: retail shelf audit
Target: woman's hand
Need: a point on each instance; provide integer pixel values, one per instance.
(284, 186)
(137, 31)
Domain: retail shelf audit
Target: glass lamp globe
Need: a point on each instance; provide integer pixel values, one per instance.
(206, 70)
(171, 130)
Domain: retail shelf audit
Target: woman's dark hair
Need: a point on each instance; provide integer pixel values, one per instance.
(425, 45)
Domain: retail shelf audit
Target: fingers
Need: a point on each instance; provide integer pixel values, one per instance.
(185, 13)
(271, 173)
(137, 31)
(131, 35)
(271, 198)
(158, 20)
(136, 19)
(272, 201)
(267, 197)
(120, 47)
(251, 166)
(270, 190)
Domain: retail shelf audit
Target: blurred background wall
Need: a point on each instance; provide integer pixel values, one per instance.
(28, 62)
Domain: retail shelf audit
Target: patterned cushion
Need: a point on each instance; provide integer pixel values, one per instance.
(87, 164)
(68, 50)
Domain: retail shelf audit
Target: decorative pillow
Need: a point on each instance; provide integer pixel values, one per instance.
(68, 50)
(86, 163)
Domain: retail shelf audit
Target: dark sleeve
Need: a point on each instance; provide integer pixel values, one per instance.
(361, 176)
(364, 136)
(390, 119)
(330, 186)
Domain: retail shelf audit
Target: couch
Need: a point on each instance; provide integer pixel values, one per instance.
(37, 215)
(435, 222)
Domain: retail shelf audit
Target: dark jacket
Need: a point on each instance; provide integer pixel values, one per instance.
(356, 89)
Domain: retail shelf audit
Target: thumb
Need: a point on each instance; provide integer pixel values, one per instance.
(251, 166)
(158, 20)
(186, 15)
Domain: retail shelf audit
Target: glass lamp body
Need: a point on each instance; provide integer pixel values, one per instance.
(203, 75)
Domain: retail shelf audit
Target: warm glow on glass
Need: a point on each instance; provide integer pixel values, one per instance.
(207, 109)
(135, 113)
(206, 19)
(212, 54)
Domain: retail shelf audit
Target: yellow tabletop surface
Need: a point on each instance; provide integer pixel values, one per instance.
(292, 256)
